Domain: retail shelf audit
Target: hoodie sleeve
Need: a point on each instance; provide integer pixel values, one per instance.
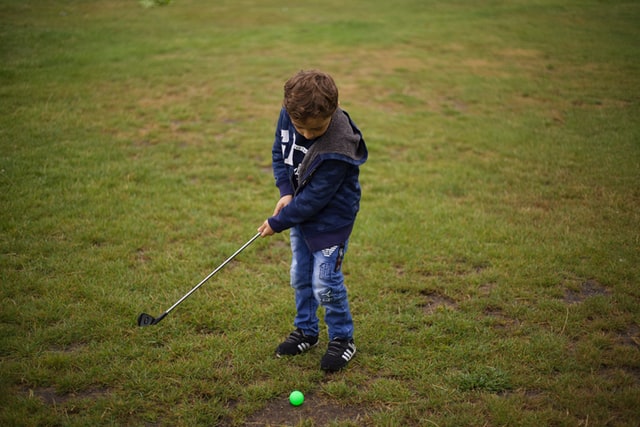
(313, 198)
(281, 145)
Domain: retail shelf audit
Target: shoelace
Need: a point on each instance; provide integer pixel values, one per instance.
(295, 336)
(336, 348)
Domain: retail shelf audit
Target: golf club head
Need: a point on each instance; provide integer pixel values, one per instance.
(145, 320)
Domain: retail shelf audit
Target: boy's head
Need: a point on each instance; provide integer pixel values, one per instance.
(311, 98)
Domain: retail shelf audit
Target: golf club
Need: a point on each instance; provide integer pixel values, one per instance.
(145, 319)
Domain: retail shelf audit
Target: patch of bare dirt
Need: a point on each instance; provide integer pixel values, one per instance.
(435, 301)
(631, 336)
(587, 289)
(316, 409)
(51, 396)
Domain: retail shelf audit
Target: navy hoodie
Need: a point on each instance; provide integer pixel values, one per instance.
(322, 175)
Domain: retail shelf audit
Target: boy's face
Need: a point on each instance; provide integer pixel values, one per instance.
(312, 127)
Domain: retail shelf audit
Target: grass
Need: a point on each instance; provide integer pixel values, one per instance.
(493, 271)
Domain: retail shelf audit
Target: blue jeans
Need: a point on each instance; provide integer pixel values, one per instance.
(317, 279)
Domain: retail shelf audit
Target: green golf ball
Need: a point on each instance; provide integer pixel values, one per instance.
(296, 398)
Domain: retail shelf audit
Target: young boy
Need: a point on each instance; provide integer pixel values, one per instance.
(316, 156)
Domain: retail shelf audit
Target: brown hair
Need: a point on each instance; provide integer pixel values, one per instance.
(309, 94)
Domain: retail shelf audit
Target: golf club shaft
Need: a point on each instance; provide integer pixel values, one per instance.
(208, 277)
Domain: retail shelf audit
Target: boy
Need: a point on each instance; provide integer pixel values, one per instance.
(316, 157)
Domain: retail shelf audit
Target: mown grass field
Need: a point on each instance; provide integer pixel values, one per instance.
(495, 266)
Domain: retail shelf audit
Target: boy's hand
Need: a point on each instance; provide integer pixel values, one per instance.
(284, 201)
(265, 229)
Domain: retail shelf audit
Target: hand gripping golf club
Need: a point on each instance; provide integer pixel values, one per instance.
(145, 319)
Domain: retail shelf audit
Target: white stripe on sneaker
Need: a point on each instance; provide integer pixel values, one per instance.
(304, 346)
(348, 354)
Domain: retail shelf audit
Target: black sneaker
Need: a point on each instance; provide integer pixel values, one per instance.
(339, 353)
(296, 343)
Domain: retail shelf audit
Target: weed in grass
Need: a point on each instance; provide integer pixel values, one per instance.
(489, 379)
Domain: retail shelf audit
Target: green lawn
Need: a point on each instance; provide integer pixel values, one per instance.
(494, 270)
